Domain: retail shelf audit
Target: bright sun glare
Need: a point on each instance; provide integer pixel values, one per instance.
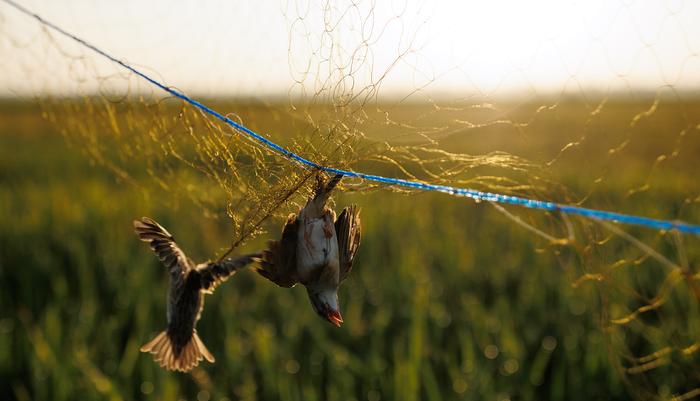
(462, 48)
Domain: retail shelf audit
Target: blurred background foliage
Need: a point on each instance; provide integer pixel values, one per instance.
(449, 299)
(587, 103)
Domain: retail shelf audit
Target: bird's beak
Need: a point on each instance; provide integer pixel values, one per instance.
(334, 317)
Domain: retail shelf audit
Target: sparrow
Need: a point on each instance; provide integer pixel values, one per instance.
(316, 250)
(179, 347)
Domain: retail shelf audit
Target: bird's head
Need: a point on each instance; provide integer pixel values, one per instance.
(325, 303)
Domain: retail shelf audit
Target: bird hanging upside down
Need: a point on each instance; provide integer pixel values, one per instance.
(179, 347)
(316, 250)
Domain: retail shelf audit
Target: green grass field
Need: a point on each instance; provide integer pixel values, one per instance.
(449, 299)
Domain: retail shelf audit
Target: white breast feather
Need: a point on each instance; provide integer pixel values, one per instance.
(314, 248)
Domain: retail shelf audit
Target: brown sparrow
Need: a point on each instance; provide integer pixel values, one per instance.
(179, 347)
(316, 250)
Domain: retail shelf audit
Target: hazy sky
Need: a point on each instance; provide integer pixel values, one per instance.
(258, 48)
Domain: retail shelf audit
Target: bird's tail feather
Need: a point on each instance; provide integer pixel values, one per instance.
(333, 182)
(324, 189)
(189, 356)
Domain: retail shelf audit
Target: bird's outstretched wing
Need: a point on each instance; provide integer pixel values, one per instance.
(348, 230)
(215, 273)
(279, 260)
(163, 244)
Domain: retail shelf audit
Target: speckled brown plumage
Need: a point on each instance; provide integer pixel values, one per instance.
(179, 347)
(316, 250)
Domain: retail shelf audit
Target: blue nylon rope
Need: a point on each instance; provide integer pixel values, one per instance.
(477, 195)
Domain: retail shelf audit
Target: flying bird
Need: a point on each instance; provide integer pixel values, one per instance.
(316, 250)
(179, 347)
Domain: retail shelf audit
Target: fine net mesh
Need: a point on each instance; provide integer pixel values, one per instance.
(612, 123)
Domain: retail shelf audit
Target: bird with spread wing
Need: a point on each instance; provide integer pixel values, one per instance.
(179, 347)
(316, 250)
